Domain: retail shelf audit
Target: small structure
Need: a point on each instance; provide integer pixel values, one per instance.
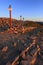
(10, 11)
(23, 18)
(20, 17)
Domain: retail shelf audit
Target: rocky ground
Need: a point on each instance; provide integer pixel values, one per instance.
(18, 38)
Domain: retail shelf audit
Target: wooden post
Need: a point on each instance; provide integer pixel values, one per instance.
(10, 11)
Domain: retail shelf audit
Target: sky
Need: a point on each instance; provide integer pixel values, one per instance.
(29, 9)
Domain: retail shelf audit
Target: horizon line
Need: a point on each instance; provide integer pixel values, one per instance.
(27, 18)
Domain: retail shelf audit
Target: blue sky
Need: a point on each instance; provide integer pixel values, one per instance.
(29, 9)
